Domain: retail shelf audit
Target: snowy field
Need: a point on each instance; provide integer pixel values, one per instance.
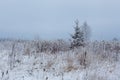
(21, 61)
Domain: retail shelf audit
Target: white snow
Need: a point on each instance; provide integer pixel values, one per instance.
(58, 66)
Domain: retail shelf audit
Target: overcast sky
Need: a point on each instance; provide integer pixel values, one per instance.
(52, 19)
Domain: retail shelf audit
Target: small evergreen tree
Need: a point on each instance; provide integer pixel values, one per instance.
(86, 31)
(77, 37)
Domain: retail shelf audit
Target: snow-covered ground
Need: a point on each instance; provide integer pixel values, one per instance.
(59, 66)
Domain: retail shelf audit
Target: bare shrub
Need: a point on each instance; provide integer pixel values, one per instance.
(27, 51)
(51, 46)
(116, 50)
(12, 56)
(82, 58)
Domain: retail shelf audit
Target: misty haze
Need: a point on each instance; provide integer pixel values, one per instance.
(59, 40)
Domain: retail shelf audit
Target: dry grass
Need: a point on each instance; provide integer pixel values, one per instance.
(69, 68)
(49, 64)
(70, 65)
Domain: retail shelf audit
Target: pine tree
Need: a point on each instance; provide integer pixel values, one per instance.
(77, 37)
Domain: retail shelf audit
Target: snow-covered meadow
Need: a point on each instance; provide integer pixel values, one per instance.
(36, 60)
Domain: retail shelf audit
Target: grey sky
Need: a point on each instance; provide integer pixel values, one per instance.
(52, 19)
